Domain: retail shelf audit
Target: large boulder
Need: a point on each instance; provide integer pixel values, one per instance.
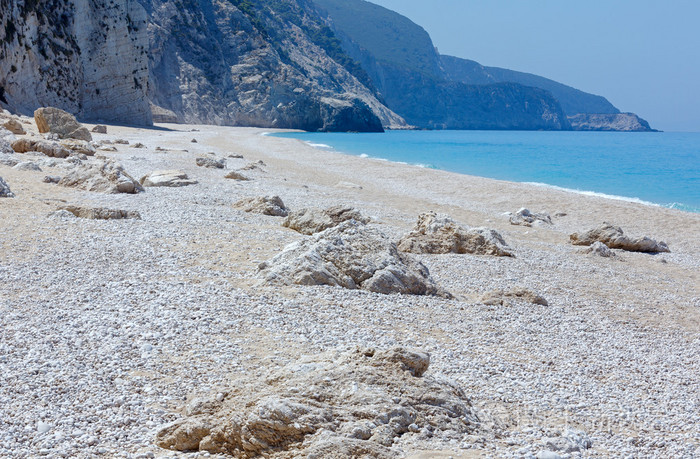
(265, 205)
(438, 233)
(104, 176)
(613, 237)
(62, 123)
(311, 221)
(5, 191)
(50, 149)
(57, 121)
(169, 178)
(332, 405)
(79, 146)
(351, 255)
(524, 217)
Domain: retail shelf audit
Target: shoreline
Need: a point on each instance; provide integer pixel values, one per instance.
(585, 191)
(117, 325)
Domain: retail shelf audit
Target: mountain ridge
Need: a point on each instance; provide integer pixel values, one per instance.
(316, 65)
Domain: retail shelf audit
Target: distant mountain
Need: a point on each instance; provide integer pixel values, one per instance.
(573, 101)
(401, 60)
(391, 47)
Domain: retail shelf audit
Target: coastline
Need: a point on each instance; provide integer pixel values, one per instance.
(171, 307)
(483, 154)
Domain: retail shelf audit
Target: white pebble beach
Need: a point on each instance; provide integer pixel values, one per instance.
(108, 328)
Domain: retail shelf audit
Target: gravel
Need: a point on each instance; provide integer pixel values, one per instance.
(108, 328)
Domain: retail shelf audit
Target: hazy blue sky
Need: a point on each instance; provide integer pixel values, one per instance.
(643, 55)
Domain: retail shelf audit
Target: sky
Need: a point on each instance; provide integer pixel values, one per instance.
(642, 55)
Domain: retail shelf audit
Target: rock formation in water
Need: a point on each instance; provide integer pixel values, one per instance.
(628, 122)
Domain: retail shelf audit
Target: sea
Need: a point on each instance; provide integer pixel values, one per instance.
(655, 168)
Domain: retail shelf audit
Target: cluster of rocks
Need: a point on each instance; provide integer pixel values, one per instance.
(614, 238)
(349, 404)
(311, 221)
(437, 233)
(104, 176)
(265, 205)
(524, 217)
(351, 255)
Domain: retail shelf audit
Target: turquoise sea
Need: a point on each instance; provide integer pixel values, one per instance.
(657, 168)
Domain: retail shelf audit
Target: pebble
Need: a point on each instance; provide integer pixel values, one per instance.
(109, 327)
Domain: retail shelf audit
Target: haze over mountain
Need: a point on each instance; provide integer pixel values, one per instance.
(330, 65)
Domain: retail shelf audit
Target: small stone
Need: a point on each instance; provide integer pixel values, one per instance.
(43, 427)
(51, 179)
(210, 163)
(100, 129)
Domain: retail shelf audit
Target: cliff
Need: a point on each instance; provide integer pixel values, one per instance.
(254, 64)
(85, 56)
(269, 63)
(404, 66)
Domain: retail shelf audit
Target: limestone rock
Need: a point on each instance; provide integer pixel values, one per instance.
(136, 145)
(103, 176)
(311, 221)
(253, 166)
(233, 175)
(5, 191)
(50, 149)
(526, 218)
(100, 129)
(51, 179)
(600, 249)
(211, 163)
(27, 166)
(266, 205)
(437, 233)
(166, 178)
(57, 121)
(330, 405)
(570, 441)
(501, 297)
(614, 238)
(14, 126)
(351, 255)
(6, 139)
(79, 146)
(101, 213)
